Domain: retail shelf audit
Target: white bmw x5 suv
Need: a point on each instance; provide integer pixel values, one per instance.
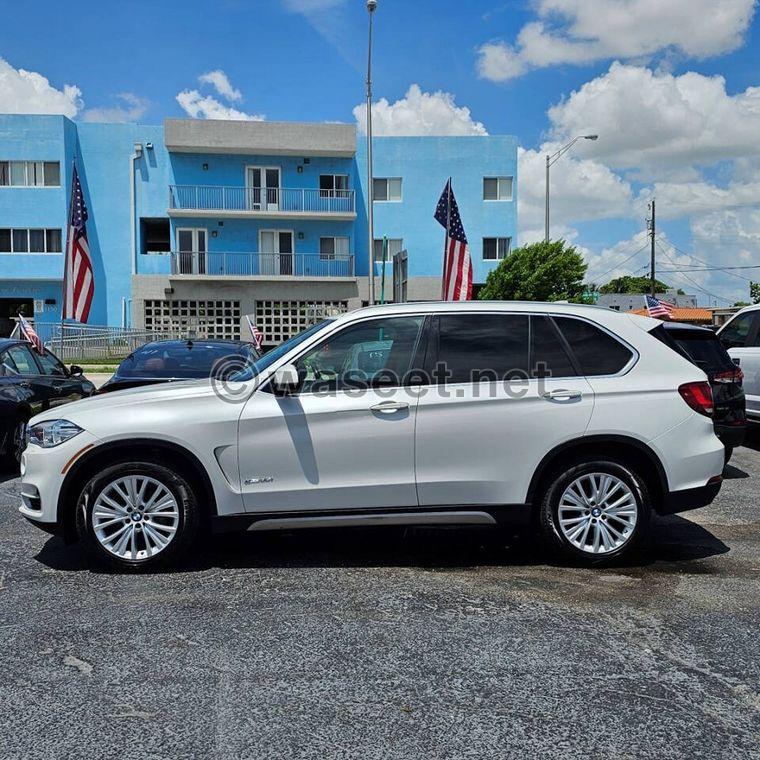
(571, 418)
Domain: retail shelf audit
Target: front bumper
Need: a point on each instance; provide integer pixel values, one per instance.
(690, 498)
(42, 474)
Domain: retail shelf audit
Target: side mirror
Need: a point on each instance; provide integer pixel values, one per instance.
(76, 371)
(285, 379)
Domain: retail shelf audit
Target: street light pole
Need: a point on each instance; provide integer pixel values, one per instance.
(550, 161)
(371, 6)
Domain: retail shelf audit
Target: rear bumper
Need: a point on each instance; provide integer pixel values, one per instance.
(731, 436)
(690, 498)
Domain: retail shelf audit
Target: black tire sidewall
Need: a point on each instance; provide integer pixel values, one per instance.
(549, 508)
(180, 488)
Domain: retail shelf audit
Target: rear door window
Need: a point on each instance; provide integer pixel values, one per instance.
(595, 350)
(548, 357)
(475, 347)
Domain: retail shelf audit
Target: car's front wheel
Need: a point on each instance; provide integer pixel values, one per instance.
(137, 515)
(595, 511)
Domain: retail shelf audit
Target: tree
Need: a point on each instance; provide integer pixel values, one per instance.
(629, 284)
(538, 272)
(754, 292)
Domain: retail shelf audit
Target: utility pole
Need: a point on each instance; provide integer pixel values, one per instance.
(652, 232)
(371, 7)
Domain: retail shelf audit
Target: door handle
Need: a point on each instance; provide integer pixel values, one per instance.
(562, 394)
(389, 406)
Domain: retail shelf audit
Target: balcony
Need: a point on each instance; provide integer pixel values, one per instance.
(261, 202)
(260, 265)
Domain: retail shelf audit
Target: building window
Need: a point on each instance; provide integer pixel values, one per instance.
(386, 189)
(395, 245)
(30, 241)
(333, 185)
(497, 188)
(331, 248)
(30, 174)
(495, 249)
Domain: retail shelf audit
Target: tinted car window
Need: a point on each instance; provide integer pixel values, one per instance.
(195, 360)
(737, 332)
(596, 351)
(703, 349)
(376, 352)
(482, 346)
(548, 357)
(23, 359)
(51, 365)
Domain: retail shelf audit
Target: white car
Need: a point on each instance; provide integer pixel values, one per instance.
(741, 336)
(573, 418)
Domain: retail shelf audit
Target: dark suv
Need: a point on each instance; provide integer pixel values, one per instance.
(702, 347)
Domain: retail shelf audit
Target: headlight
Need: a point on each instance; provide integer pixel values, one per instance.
(51, 433)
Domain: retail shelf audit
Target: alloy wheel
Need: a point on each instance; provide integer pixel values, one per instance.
(598, 513)
(18, 443)
(135, 517)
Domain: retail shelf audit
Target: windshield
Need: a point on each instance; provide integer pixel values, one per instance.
(272, 356)
(705, 351)
(175, 360)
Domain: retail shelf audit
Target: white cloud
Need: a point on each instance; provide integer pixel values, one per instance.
(580, 190)
(24, 91)
(584, 31)
(221, 83)
(419, 113)
(645, 118)
(199, 106)
(132, 109)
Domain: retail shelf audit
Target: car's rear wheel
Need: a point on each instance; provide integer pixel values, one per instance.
(595, 511)
(137, 516)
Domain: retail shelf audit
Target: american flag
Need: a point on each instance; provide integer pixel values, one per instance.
(256, 334)
(30, 334)
(659, 309)
(457, 266)
(78, 279)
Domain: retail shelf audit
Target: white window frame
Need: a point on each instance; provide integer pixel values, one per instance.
(387, 198)
(389, 260)
(9, 161)
(499, 180)
(497, 238)
(332, 192)
(27, 252)
(334, 256)
(263, 204)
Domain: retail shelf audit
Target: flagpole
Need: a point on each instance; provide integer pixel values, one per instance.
(446, 238)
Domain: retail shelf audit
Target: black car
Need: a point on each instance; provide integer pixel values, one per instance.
(701, 346)
(30, 383)
(166, 361)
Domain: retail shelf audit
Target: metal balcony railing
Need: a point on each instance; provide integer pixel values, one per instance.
(230, 263)
(260, 199)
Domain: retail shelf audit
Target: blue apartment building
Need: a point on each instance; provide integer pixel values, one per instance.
(196, 224)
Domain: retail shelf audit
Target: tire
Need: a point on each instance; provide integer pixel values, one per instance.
(15, 443)
(621, 528)
(729, 452)
(106, 513)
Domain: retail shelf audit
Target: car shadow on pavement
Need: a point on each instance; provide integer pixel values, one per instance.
(673, 540)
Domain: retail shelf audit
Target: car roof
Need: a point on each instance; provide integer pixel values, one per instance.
(677, 327)
(194, 341)
(8, 342)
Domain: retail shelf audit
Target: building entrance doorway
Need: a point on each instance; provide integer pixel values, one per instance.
(10, 308)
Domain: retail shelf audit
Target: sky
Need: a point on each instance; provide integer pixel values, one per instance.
(671, 88)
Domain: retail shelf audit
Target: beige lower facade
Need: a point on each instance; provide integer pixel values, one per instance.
(218, 307)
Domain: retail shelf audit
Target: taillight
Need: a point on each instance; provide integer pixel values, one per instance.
(698, 396)
(729, 376)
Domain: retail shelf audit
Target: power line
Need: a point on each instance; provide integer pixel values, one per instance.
(706, 263)
(620, 264)
(692, 281)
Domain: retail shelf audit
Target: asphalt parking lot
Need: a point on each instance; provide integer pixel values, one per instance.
(389, 644)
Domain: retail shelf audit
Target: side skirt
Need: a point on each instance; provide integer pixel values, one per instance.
(513, 514)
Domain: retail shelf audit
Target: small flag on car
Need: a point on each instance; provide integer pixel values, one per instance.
(659, 309)
(30, 334)
(256, 335)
